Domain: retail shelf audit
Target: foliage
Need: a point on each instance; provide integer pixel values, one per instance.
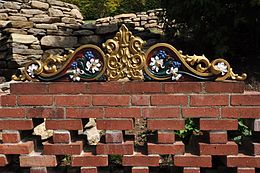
(93, 9)
(243, 131)
(216, 28)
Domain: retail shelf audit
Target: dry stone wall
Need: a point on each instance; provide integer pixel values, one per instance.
(37, 28)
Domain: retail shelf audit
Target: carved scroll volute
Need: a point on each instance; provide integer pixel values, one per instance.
(125, 58)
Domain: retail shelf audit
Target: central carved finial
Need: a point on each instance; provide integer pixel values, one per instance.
(125, 58)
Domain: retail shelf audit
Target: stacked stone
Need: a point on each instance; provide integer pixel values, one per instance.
(141, 20)
(30, 29)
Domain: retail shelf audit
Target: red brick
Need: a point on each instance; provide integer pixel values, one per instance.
(256, 125)
(113, 136)
(236, 112)
(209, 100)
(230, 148)
(11, 136)
(245, 170)
(7, 100)
(141, 160)
(218, 137)
(189, 160)
(242, 160)
(3, 160)
(29, 88)
(111, 100)
(21, 124)
(256, 148)
(218, 124)
(34, 100)
(38, 170)
(175, 148)
(115, 124)
(140, 100)
(63, 149)
(45, 113)
(174, 100)
(140, 170)
(12, 112)
(61, 136)
(191, 170)
(37, 160)
(142, 87)
(104, 88)
(183, 87)
(165, 124)
(224, 87)
(68, 100)
(67, 88)
(200, 112)
(122, 149)
(85, 112)
(161, 112)
(88, 170)
(17, 148)
(122, 112)
(248, 99)
(68, 124)
(89, 160)
(165, 137)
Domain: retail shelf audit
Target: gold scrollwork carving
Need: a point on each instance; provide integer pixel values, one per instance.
(125, 58)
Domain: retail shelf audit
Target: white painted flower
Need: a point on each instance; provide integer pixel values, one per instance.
(75, 75)
(174, 72)
(31, 70)
(156, 63)
(222, 67)
(93, 65)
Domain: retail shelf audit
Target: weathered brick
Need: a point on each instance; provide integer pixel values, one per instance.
(67, 88)
(160, 112)
(111, 100)
(38, 170)
(11, 136)
(245, 170)
(69, 124)
(175, 148)
(242, 160)
(63, 149)
(165, 137)
(218, 137)
(85, 112)
(183, 87)
(122, 112)
(114, 136)
(218, 124)
(35, 100)
(189, 160)
(29, 88)
(104, 88)
(139, 159)
(248, 99)
(17, 148)
(3, 160)
(224, 87)
(140, 100)
(72, 100)
(200, 112)
(256, 148)
(209, 100)
(87, 159)
(191, 170)
(61, 136)
(115, 124)
(165, 124)
(240, 112)
(45, 112)
(140, 169)
(88, 170)
(12, 112)
(7, 100)
(122, 149)
(230, 148)
(142, 87)
(37, 160)
(174, 100)
(16, 124)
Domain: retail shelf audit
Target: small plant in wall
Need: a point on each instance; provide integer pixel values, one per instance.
(242, 132)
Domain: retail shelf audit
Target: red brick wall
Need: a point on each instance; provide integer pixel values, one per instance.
(66, 107)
